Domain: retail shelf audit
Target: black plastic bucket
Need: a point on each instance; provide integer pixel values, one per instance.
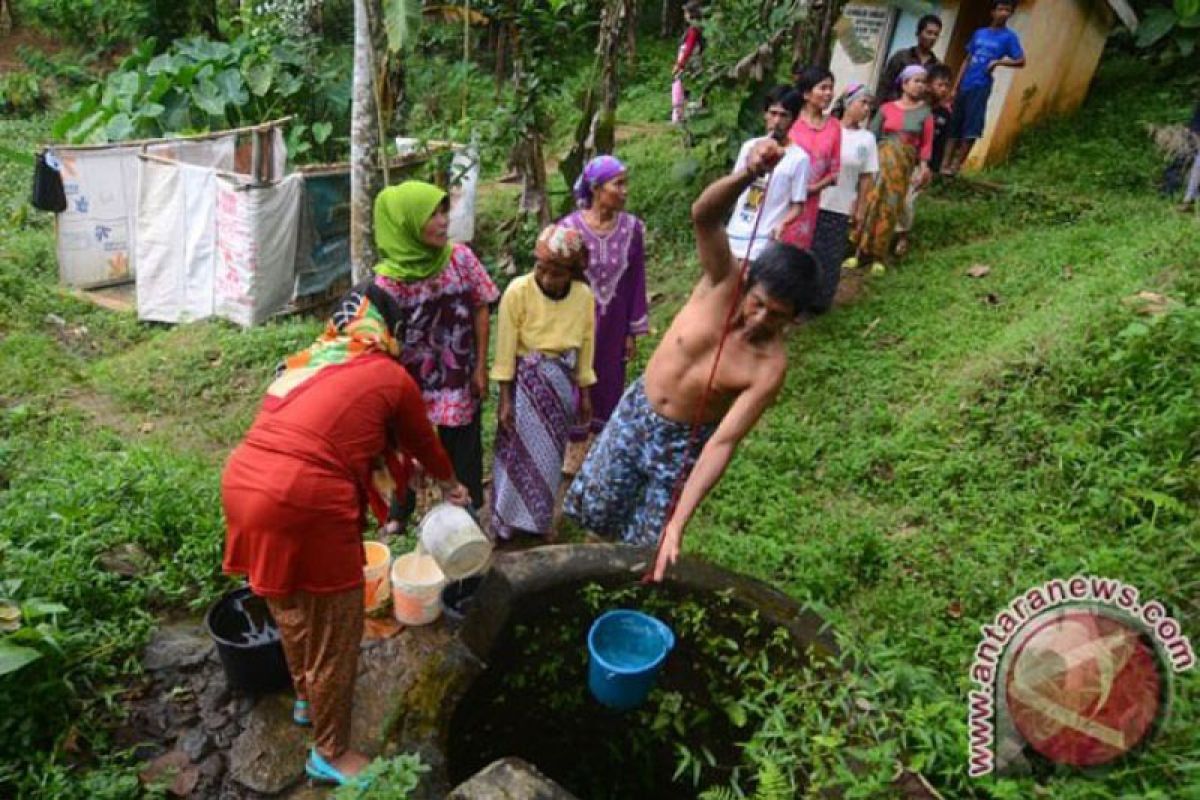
(457, 597)
(248, 643)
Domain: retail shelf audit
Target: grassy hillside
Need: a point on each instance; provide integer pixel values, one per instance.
(943, 443)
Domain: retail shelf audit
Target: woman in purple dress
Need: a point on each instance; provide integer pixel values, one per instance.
(617, 273)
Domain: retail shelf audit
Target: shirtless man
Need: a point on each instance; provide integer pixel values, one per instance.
(627, 482)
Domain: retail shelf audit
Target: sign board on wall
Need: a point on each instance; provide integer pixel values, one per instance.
(861, 29)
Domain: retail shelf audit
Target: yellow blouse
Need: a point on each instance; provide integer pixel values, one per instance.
(529, 321)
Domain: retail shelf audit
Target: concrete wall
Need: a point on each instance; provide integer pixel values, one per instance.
(1063, 41)
(846, 71)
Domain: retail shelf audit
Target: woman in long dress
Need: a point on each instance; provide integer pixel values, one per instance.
(904, 129)
(616, 271)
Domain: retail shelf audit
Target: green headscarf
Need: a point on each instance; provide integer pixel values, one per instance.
(400, 214)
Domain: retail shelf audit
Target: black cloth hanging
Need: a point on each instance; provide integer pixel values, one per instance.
(48, 194)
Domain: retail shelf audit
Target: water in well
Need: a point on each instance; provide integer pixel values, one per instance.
(721, 687)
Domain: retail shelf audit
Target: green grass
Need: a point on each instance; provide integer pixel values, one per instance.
(933, 454)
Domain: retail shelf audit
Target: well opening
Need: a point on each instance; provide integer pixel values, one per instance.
(743, 656)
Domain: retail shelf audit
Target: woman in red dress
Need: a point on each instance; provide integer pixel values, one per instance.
(295, 492)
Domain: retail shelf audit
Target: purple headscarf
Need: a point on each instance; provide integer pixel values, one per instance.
(908, 72)
(598, 171)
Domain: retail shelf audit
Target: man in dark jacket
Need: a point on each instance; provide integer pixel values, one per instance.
(929, 28)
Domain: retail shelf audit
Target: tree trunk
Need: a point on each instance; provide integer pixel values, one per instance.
(613, 21)
(813, 44)
(364, 145)
(527, 157)
(672, 13)
(596, 131)
(8, 20)
(631, 22)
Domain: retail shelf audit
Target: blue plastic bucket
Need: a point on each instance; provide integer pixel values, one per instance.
(626, 649)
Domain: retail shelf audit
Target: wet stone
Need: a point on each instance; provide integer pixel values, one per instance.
(146, 751)
(214, 695)
(174, 771)
(213, 767)
(214, 720)
(177, 646)
(510, 779)
(195, 743)
(268, 755)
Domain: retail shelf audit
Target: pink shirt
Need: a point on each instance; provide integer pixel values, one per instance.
(824, 148)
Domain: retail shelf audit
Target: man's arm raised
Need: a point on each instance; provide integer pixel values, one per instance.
(710, 466)
(712, 207)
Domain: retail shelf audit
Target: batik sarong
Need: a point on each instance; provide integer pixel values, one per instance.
(628, 480)
(529, 456)
(886, 198)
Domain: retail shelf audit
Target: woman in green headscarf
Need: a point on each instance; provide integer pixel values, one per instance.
(407, 251)
(437, 296)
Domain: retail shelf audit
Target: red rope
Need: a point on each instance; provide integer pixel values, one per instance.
(698, 418)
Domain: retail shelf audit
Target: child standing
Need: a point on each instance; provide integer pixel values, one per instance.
(544, 348)
(938, 88)
(688, 59)
(991, 47)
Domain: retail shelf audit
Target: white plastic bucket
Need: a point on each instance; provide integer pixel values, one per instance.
(416, 589)
(453, 538)
(378, 558)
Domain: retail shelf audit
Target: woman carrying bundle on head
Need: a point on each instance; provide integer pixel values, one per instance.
(544, 345)
(904, 129)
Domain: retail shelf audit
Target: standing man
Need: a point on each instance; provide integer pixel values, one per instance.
(929, 29)
(777, 205)
(989, 48)
(628, 482)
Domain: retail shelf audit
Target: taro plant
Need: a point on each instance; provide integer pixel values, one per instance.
(200, 84)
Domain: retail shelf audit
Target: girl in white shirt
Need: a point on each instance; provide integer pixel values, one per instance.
(840, 206)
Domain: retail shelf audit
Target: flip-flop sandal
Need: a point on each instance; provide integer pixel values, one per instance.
(321, 771)
(300, 714)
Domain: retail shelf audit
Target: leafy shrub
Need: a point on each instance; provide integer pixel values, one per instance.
(200, 84)
(20, 94)
(85, 21)
(387, 779)
(107, 23)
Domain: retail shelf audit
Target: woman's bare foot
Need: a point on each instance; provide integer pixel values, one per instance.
(349, 763)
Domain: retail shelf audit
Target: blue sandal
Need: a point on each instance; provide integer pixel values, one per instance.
(300, 714)
(318, 769)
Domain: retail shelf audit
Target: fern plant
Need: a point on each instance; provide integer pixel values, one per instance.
(772, 783)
